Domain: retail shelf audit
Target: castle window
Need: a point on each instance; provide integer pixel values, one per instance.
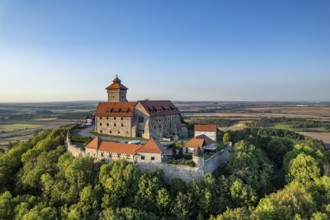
(118, 132)
(114, 118)
(142, 157)
(110, 132)
(101, 154)
(101, 131)
(122, 118)
(122, 125)
(107, 118)
(100, 117)
(152, 158)
(114, 124)
(100, 124)
(108, 124)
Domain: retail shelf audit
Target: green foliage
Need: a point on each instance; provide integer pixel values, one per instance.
(303, 168)
(6, 205)
(39, 180)
(252, 166)
(119, 180)
(286, 204)
(176, 145)
(226, 138)
(189, 163)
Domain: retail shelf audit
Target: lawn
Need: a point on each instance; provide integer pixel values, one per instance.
(15, 127)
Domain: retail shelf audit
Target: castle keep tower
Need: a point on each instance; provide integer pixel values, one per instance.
(117, 91)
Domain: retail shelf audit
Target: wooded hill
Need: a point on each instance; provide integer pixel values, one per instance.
(267, 177)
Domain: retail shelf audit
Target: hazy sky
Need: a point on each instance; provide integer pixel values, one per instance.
(225, 50)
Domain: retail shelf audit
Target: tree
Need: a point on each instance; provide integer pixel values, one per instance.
(242, 194)
(276, 151)
(181, 207)
(286, 204)
(149, 184)
(120, 181)
(6, 206)
(180, 154)
(226, 139)
(163, 201)
(237, 214)
(174, 155)
(303, 168)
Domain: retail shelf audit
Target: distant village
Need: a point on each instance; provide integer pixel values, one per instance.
(153, 120)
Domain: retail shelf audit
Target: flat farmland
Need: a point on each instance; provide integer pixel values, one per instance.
(23, 130)
(17, 126)
(238, 115)
(319, 113)
(19, 121)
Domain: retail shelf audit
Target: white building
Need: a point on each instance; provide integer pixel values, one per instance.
(208, 130)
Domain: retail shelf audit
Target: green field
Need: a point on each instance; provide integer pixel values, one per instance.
(290, 127)
(15, 127)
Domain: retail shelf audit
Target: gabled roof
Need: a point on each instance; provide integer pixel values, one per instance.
(209, 128)
(115, 109)
(159, 107)
(116, 84)
(119, 148)
(208, 141)
(152, 146)
(195, 143)
(95, 143)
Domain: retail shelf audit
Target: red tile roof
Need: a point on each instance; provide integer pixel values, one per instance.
(207, 140)
(113, 147)
(195, 143)
(159, 107)
(116, 84)
(115, 109)
(94, 144)
(152, 146)
(210, 128)
(118, 148)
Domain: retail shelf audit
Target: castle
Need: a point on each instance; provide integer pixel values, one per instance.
(146, 119)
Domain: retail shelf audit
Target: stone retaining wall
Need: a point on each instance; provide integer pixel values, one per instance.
(171, 171)
(218, 159)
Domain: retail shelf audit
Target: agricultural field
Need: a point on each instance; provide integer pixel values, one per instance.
(19, 122)
(311, 119)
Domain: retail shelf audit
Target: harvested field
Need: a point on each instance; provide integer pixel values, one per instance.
(249, 116)
(234, 127)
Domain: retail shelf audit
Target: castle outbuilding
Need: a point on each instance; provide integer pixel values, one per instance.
(146, 119)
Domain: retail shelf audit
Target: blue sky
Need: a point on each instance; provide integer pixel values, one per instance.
(224, 50)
